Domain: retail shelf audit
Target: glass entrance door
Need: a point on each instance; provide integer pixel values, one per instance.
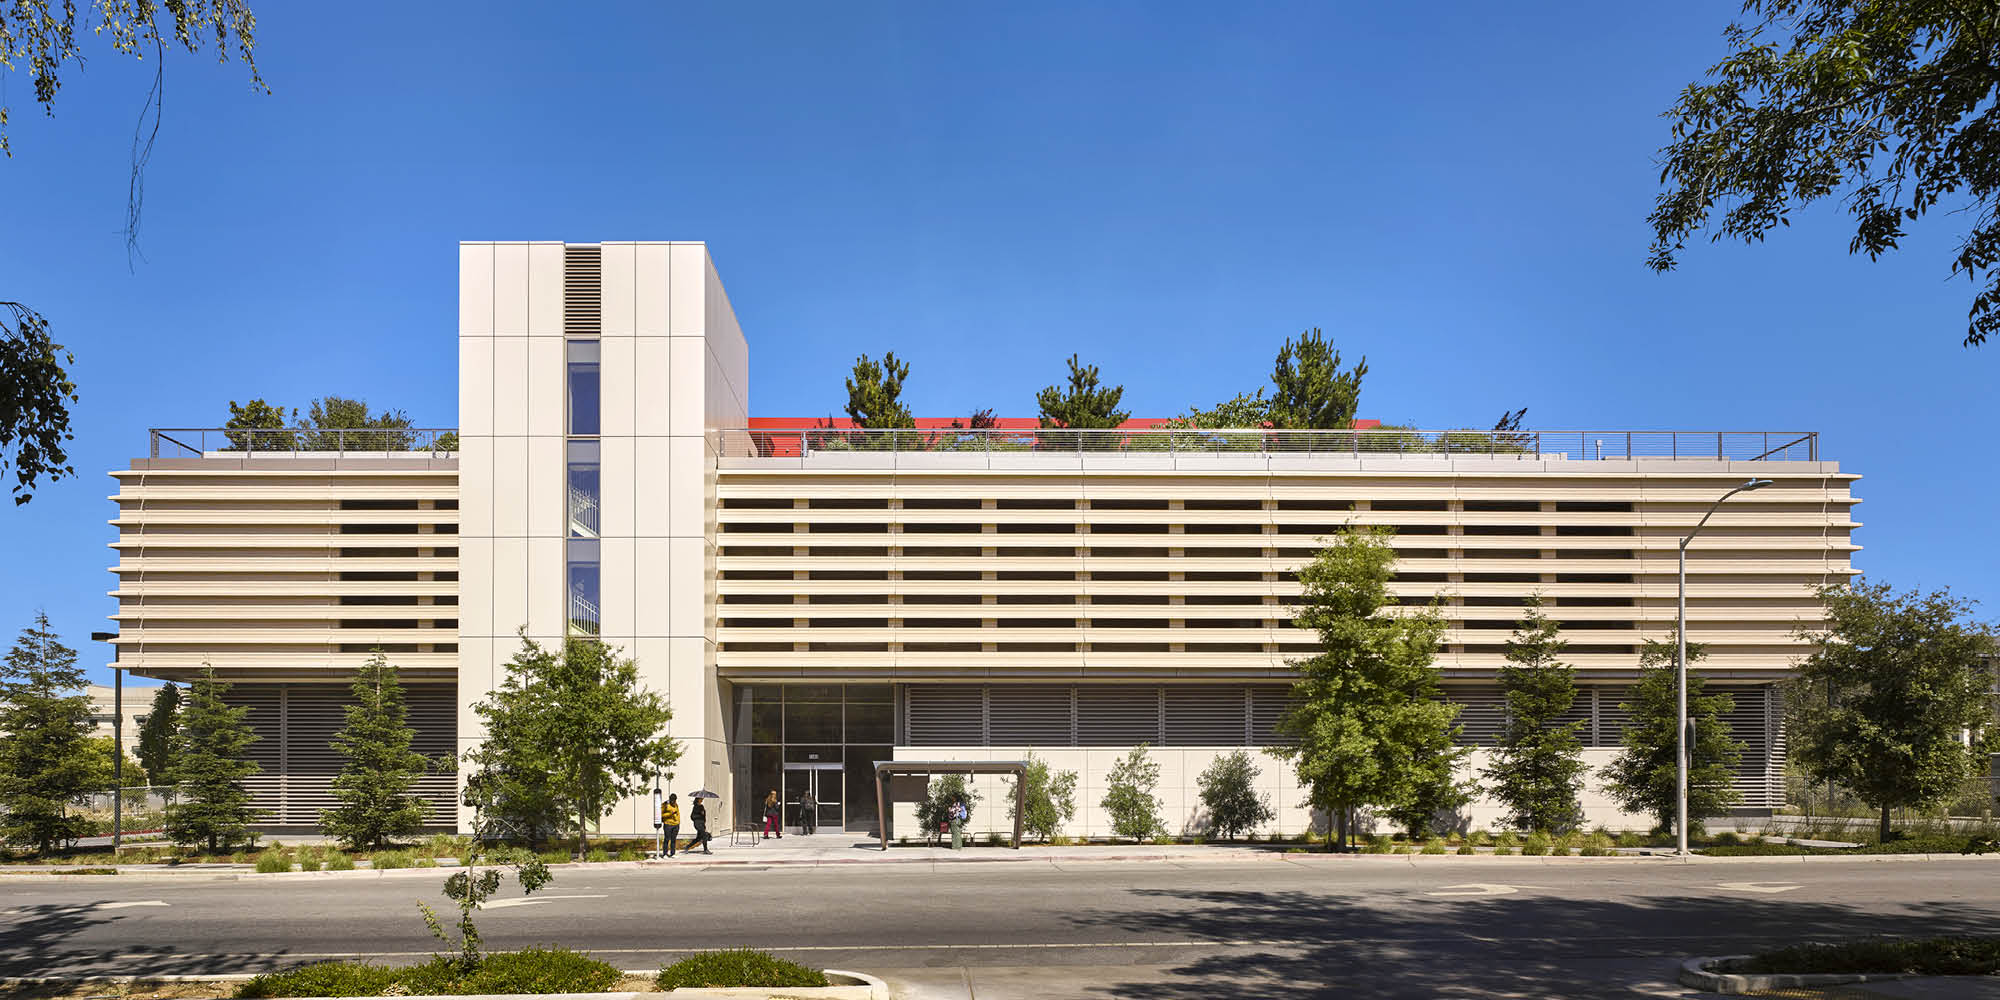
(823, 780)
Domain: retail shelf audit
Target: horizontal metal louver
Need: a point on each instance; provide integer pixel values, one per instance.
(583, 291)
(1482, 712)
(1268, 705)
(295, 725)
(1030, 715)
(1759, 775)
(1206, 715)
(1612, 717)
(942, 715)
(1117, 715)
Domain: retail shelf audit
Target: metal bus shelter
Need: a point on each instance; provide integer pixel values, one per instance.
(887, 770)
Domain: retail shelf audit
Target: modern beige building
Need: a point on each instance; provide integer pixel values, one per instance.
(813, 599)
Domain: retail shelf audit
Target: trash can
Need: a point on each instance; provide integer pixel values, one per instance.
(957, 835)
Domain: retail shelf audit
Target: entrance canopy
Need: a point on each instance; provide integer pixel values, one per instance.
(887, 770)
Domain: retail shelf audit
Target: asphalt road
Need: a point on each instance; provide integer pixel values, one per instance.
(1283, 926)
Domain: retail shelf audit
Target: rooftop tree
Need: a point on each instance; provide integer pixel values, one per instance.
(874, 393)
(1083, 404)
(1894, 702)
(1309, 389)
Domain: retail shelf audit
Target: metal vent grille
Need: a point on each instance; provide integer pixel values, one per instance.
(1268, 704)
(295, 725)
(1482, 711)
(1117, 715)
(583, 291)
(1207, 715)
(1031, 715)
(946, 715)
(1754, 722)
(1612, 717)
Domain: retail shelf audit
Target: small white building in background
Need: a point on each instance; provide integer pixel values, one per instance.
(138, 704)
(812, 599)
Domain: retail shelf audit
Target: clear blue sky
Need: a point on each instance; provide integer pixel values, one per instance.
(1459, 193)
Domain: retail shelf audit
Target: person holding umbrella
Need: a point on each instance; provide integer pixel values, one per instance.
(698, 815)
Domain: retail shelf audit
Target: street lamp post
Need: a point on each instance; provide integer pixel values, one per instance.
(1684, 746)
(117, 744)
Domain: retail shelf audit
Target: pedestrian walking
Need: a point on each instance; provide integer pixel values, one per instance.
(698, 815)
(670, 821)
(771, 812)
(808, 813)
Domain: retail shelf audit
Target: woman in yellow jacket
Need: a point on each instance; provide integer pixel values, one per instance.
(670, 821)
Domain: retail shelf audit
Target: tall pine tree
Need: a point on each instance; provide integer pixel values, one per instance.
(1643, 778)
(875, 390)
(373, 787)
(1371, 727)
(1538, 769)
(47, 760)
(156, 734)
(207, 772)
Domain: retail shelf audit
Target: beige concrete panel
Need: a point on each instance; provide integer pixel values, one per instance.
(650, 475)
(650, 285)
(510, 385)
(545, 407)
(510, 289)
(475, 586)
(687, 367)
(618, 379)
(687, 587)
(687, 268)
(619, 612)
(475, 386)
(475, 289)
(618, 479)
(510, 584)
(688, 670)
(475, 486)
(617, 289)
(725, 338)
(653, 385)
(545, 289)
(686, 487)
(548, 604)
(650, 590)
(510, 486)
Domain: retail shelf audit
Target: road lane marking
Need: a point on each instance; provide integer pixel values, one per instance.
(87, 906)
(1478, 889)
(501, 904)
(1765, 887)
(133, 903)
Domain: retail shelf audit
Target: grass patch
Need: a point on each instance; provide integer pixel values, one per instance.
(386, 860)
(531, 970)
(273, 862)
(85, 871)
(737, 967)
(337, 861)
(1949, 956)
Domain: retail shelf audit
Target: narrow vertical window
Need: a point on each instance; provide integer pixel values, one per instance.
(584, 383)
(585, 601)
(583, 488)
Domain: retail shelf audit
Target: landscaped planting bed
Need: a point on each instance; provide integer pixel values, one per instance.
(1947, 956)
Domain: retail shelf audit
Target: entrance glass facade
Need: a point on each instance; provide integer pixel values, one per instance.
(790, 738)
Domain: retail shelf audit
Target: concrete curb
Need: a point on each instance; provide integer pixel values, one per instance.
(1696, 975)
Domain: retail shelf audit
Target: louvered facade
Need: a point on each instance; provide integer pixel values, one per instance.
(813, 599)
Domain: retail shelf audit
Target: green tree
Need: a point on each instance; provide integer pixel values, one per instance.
(934, 811)
(47, 37)
(1537, 769)
(1884, 701)
(568, 734)
(1435, 792)
(1369, 724)
(1083, 404)
(1128, 795)
(156, 733)
(1049, 798)
(334, 423)
(258, 426)
(1888, 105)
(1229, 793)
(103, 751)
(874, 393)
(1643, 777)
(373, 786)
(47, 761)
(1244, 410)
(1309, 389)
(211, 805)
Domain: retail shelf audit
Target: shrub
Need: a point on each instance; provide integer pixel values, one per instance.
(1597, 845)
(1727, 839)
(1965, 956)
(737, 967)
(1467, 848)
(272, 862)
(598, 854)
(1434, 845)
(1229, 793)
(539, 970)
(1378, 844)
(631, 854)
(556, 857)
(1505, 842)
(1537, 844)
(393, 859)
(323, 979)
(934, 812)
(426, 861)
(336, 861)
(1049, 797)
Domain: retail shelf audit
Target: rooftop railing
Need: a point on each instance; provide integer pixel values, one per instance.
(194, 442)
(1741, 446)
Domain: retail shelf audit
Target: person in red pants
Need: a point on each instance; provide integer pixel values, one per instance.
(771, 816)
